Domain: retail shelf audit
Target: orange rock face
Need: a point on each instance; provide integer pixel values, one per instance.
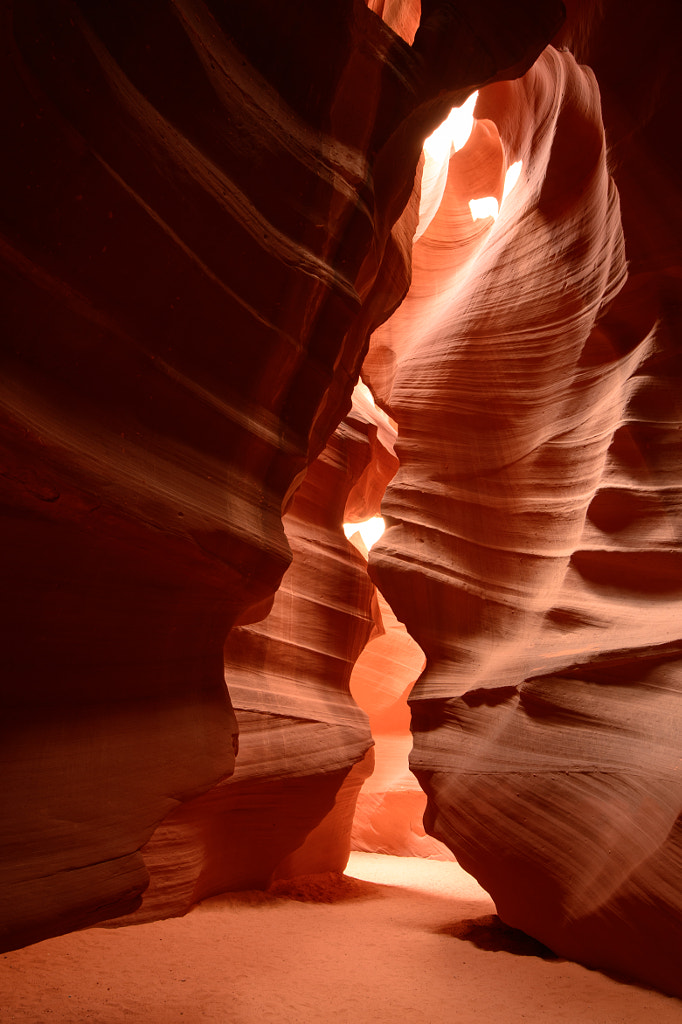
(533, 550)
(288, 807)
(391, 804)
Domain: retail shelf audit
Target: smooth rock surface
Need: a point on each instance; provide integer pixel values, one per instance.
(288, 807)
(533, 550)
(391, 804)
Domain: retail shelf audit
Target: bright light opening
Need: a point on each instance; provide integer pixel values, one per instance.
(453, 134)
(370, 530)
(489, 206)
(511, 177)
(482, 208)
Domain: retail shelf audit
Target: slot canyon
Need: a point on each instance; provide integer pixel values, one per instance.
(261, 286)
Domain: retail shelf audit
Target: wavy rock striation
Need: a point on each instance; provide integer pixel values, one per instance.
(288, 807)
(390, 805)
(533, 551)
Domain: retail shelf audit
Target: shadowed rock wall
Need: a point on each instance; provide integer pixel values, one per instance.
(196, 243)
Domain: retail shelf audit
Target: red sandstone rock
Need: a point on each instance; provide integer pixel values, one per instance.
(534, 542)
(390, 807)
(196, 243)
(194, 250)
(181, 338)
(289, 805)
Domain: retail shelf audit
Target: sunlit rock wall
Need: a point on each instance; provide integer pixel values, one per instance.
(533, 548)
(391, 804)
(196, 242)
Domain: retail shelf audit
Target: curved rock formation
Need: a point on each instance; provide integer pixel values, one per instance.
(534, 543)
(159, 403)
(208, 210)
(391, 804)
(194, 248)
(288, 807)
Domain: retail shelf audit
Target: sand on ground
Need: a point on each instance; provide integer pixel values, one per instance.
(394, 940)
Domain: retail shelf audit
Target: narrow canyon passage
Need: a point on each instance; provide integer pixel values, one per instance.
(395, 939)
(271, 269)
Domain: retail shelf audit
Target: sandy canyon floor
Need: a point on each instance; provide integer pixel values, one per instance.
(395, 939)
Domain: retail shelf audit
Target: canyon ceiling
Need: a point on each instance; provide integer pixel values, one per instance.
(215, 219)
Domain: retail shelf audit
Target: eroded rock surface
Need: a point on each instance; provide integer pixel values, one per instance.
(391, 804)
(303, 741)
(534, 543)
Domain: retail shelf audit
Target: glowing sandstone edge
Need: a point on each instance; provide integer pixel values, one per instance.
(389, 811)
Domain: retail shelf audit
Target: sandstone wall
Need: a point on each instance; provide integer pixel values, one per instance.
(534, 544)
